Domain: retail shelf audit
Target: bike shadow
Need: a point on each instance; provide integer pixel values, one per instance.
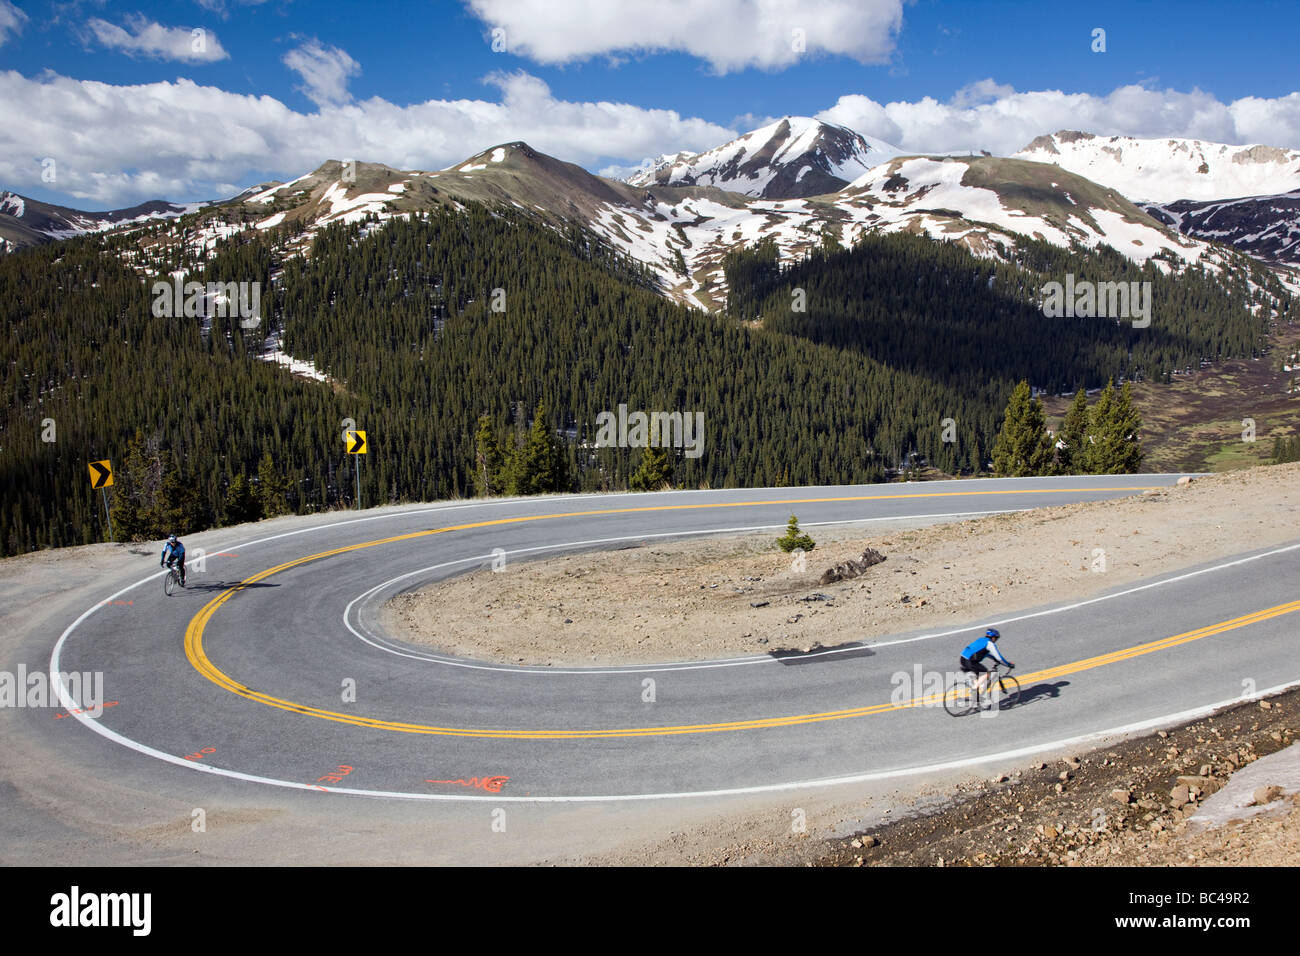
(227, 585)
(1044, 691)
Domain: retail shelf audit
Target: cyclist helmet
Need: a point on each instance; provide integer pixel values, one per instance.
(171, 537)
(992, 634)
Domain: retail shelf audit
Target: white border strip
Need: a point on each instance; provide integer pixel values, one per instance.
(863, 777)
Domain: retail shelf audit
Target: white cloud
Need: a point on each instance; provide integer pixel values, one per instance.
(11, 21)
(979, 92)
(325, 72)
(729, 34)
(118, 145)
(189, 45)
(986, 115)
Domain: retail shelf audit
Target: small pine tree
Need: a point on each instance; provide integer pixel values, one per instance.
(1023, 446)
(135, 491)
(794, 538)
(654, 472)
(272, 488)
(180, 508)
(1073, 435)
(1113, 427)
(1127, 431)
(489, 461)
(1286, 449)
(831, 238)
(241, 504)
(540, 466)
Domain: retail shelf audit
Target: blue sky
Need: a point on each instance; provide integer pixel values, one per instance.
(281, 86)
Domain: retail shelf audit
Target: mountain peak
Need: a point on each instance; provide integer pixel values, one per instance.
(501, 153)
(791, 158)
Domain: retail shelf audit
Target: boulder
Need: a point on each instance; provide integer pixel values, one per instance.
(1207, 785)
(851, 568)
(1267, 794)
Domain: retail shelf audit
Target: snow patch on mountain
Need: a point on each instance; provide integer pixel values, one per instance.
(1165, 170)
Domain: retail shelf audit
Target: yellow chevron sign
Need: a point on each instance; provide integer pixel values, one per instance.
(101, 473)
(356, 442)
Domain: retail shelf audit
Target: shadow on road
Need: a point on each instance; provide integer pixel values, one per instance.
(226, 585)
(1042, 691)
(819, 655)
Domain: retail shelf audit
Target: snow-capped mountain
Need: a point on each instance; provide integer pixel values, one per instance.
(792, 158)
(988, 204)
(28, 222)
(978, 200)
(1267, 227)
(1166, 170)
(649, 169)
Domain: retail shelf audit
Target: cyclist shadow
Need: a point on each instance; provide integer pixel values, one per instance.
(1043, 691)
(191, 585)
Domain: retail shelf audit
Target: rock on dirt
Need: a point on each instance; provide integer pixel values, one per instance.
(1267, 794)
(851, 568)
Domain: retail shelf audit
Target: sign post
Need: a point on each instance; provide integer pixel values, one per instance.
(101, 476)
(356, 445)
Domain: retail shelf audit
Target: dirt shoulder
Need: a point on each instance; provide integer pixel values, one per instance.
(719, 597)
(1123, 805)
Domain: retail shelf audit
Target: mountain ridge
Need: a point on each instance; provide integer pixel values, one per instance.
(1163, 170)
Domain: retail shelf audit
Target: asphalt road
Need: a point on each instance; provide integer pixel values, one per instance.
(270, 669)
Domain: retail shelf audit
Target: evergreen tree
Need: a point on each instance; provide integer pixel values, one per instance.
(180, 508)
(1286, 449)
(794, 538)
(1127, 430)
(489, 462)
(1023, 446)
(1073, 435)
(540, 466)
(654, 472)
(136, 482)
(1113, 447)
(241, 504)
(272, 488)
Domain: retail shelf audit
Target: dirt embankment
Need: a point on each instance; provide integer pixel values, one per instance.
(1125, 805)
(694, 599)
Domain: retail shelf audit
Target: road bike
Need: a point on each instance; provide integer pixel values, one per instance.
(1000, 692)
(172, 580)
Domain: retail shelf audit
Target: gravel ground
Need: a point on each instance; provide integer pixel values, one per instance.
(694, 599)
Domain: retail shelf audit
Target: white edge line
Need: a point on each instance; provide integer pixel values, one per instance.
(864, 777)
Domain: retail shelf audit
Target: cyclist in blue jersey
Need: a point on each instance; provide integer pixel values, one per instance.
(173, 552)
(974, 652)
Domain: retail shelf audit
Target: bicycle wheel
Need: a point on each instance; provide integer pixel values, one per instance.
(959, 699)
(169, 583)
(1004, 693)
